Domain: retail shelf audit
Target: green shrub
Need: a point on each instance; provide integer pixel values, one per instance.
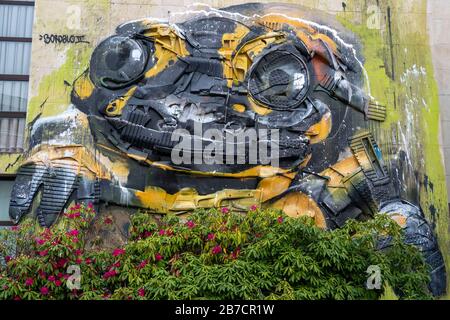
(216, 254)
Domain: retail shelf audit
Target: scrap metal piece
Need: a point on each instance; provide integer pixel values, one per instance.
(418, 232)
(369, 157)
(47, 190)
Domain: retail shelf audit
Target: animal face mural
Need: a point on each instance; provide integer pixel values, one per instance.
(174, 112)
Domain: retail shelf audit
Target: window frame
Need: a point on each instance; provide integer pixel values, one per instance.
(13, 77)
(17, 3)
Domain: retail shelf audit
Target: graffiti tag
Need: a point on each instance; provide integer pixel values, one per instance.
(62, 39)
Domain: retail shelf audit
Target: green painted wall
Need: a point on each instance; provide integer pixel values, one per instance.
(399, 65)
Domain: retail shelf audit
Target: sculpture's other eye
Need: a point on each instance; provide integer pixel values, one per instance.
(279, 80)
(118, 61)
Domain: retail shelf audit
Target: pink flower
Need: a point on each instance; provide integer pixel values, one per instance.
(142, 265)
(8, 259)
(254, 207)
(61, 263)
(58, 283)
(108, 220)
(59, 275)
(78, 261)
(88, 260)
(118, 252)
(225, 210)
(73, 215)
(190, 224)
(42, 274)
(211, 236)
(43, 253)
(40, 241)
(44, 291)
(141, 292)
(90, 205)
(110, 274)
(17, 298)
(147, 234)
(29, 282)
(162, 232)
(216, 250)
(73, 233)
(74, 239)
(15, 228)
(280, 219)
(158, 257)
(51, 278)
(236, 253)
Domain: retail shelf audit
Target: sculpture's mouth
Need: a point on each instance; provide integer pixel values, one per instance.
(192, 136)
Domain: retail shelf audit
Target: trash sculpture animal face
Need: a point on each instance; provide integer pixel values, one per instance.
(218, 75)
(218, 112)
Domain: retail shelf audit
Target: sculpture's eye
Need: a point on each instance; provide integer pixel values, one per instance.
(117, 62)
(279, 80)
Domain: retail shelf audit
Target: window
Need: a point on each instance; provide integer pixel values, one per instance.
(16, 25)
(17, 20)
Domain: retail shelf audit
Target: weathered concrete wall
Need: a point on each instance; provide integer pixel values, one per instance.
(438, 27)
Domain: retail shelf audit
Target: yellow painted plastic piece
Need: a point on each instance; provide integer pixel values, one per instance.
(230, 41)
(239, 108)
(320, 131)
(83, 86)
(260, 110)
(298, 204)
(158, 200)
(169, 45)
(115, 107)
(244, 57)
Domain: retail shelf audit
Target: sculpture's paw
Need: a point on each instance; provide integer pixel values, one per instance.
(46, 189)
(418, 232)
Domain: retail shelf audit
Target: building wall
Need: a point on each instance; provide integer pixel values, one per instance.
(438, 26)
(396, 52)
(16, 24)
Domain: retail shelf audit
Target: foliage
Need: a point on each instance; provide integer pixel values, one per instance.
(217, 254)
